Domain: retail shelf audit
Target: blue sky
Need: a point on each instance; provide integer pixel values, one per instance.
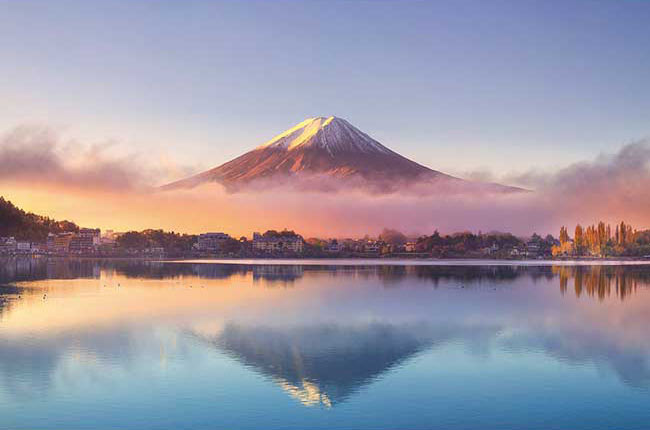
(456, 85)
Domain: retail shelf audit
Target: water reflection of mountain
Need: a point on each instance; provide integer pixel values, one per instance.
(326, 364)
(315, 340)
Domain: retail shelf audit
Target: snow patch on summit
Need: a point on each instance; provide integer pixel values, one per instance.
(330, 133)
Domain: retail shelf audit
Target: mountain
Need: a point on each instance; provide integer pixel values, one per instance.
(322, 152)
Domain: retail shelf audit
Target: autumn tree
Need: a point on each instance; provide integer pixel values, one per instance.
(579, 240)
(564, 236)
(565, 247)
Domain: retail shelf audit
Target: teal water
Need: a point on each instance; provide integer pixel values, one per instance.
(101, 344)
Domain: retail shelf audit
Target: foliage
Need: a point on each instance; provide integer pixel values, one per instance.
(171, 242)
(597, 240)
(28, 226)
(465, 243)
(280, 234)
(393, 237)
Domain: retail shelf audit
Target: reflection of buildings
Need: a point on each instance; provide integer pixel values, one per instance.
(157, 270)
(593, 281)
(325, 364)
(602, 281)
(16, 269)
(278, 273)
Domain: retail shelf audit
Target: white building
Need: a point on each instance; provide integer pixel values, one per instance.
(8, 244)
(23, 246)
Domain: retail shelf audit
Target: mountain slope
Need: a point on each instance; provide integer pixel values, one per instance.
(326, 149)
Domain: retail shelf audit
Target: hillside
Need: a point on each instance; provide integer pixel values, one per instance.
(28, 226)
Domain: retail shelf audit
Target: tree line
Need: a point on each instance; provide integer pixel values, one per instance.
(23, 225)
(601, 240)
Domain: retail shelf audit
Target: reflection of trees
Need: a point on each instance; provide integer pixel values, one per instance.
(34, 269)
(602, 281)
(158, 270)
(594, 281)
(465, 274)
(17, 269)
(7, 294)
(286, 274)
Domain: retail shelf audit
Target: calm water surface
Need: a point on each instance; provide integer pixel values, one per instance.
(98, 344)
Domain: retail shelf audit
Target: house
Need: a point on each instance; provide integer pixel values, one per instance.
(212, 242)
(49, 243)
(94, 234)
(23, 247)
(8, 244)
(386, 248)
(532, 249)
(333, 246)
(61, 242)
(86, 241)
(154, 251)
(409, 247)
(371, 247)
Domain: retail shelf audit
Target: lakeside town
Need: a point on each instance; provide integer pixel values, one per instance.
(158, 244)
(23, 233)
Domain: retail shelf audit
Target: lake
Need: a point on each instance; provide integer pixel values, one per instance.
(99, 344)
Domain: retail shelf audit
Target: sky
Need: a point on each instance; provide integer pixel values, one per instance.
(479, 89)
(509, 84)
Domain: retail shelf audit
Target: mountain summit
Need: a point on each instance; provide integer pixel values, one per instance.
(323, 148)
(333, 134)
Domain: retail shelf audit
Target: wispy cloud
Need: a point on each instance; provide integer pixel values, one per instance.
(39, 155)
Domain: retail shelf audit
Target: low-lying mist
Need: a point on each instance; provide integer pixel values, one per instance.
(90, 185)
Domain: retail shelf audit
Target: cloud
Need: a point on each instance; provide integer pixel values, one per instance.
(38, 155)
(612, 186)
(118, 191)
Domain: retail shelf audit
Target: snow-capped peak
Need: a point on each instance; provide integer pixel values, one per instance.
(330, 133)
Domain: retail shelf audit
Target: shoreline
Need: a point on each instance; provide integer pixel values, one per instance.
(407, 262)
(354, 261)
